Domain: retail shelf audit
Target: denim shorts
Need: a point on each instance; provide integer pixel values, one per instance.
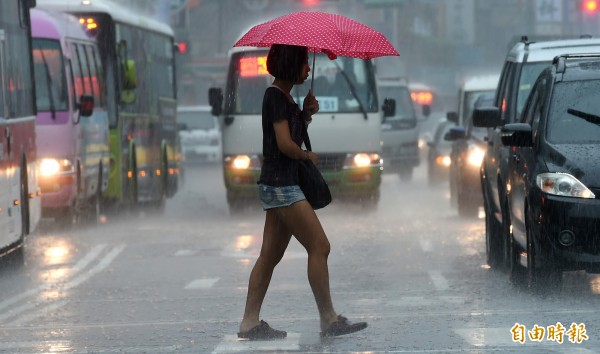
(275, 197)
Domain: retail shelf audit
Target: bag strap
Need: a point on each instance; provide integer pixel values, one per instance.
(306, 138)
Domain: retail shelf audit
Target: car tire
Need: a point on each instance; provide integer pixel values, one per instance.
(540, 279)
(493, 239)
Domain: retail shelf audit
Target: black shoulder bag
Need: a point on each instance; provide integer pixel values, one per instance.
(311, 181)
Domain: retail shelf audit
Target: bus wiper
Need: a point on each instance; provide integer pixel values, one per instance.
(49, 85)
(592, 118)
(352, 90)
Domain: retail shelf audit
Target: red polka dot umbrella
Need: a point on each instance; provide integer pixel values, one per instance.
(321, 32)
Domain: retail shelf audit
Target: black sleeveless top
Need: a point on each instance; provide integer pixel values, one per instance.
(278, 169)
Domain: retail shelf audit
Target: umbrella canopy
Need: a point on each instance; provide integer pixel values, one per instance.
(321, 32)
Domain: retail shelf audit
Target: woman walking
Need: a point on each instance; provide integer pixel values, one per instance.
(287, 211)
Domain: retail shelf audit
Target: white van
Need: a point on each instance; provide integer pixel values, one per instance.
(346, 133)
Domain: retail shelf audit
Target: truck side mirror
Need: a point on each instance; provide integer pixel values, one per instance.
(215, 100)
(452, 117)
(389, 107)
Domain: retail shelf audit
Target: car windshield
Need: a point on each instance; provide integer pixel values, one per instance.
(573, 117)
(343, 85)
(529, 74)
(196, 120)
(404, 103)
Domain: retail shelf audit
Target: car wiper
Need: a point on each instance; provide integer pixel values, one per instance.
(592, 118)
(352, 89)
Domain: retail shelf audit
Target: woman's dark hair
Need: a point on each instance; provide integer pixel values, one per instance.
(285, 61)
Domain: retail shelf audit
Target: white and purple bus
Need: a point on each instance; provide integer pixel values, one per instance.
(19, 192)
(72, 119)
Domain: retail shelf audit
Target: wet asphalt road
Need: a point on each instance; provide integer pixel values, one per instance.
(148, 283)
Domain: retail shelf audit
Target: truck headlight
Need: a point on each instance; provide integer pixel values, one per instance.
(563, 184)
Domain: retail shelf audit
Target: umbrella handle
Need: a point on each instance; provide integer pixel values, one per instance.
(312, 80)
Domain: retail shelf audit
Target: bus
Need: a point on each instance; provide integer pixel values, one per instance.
(138, 59)
(72, 120)
(345, 133)
(20, 196)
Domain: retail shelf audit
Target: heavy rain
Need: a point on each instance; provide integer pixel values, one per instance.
(464, 177)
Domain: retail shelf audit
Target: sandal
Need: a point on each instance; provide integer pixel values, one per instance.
(262, 332)
(343, 326)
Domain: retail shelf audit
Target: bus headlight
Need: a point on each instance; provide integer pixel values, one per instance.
(242, 162)
(361, 160)
(53, 167)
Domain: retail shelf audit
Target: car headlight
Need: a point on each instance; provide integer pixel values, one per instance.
(475, 155)
(242, 162)
(563, 184)
(443, 160)
(53, 167)
(362, 160)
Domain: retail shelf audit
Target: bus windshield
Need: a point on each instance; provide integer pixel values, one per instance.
(50, 88)
(343, 85)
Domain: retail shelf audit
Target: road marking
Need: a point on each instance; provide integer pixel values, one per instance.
(232, 344)
(39, 307)
(439, 282)
(83, 262)
(202, 283)
(184, 253)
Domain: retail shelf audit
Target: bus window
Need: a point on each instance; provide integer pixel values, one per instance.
(77, 89)
(97, 86)
(85, 70)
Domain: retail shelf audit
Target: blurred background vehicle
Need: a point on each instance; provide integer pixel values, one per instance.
(72, 118)
(400, 132)
(554, 199)
(200, 134)
(523, 64)
(438, 154)
(469, 147)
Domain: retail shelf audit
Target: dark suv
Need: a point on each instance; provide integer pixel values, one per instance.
(523, 64)
(554, 174)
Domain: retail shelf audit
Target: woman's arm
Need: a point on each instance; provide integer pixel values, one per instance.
(287, 146)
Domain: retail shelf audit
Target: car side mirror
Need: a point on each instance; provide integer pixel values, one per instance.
(389, 107)
(86, 105)
(455, 133)
(452, 117)
(215, 100)
(517, 134)
(426, 110)
(487, 117)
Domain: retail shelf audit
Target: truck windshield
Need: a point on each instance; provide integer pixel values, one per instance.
(336, 92)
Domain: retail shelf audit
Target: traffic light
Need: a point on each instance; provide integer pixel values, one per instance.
(590, 7)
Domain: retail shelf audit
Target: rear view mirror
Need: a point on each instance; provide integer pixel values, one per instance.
(452, 117)
(389, 107)
(215, 100)
(86, 105)
(487, 117)
(426, 110)
(455, 133)
(517, 134)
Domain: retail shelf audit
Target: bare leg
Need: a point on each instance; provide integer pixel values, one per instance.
(276, 237)
(304, 224)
